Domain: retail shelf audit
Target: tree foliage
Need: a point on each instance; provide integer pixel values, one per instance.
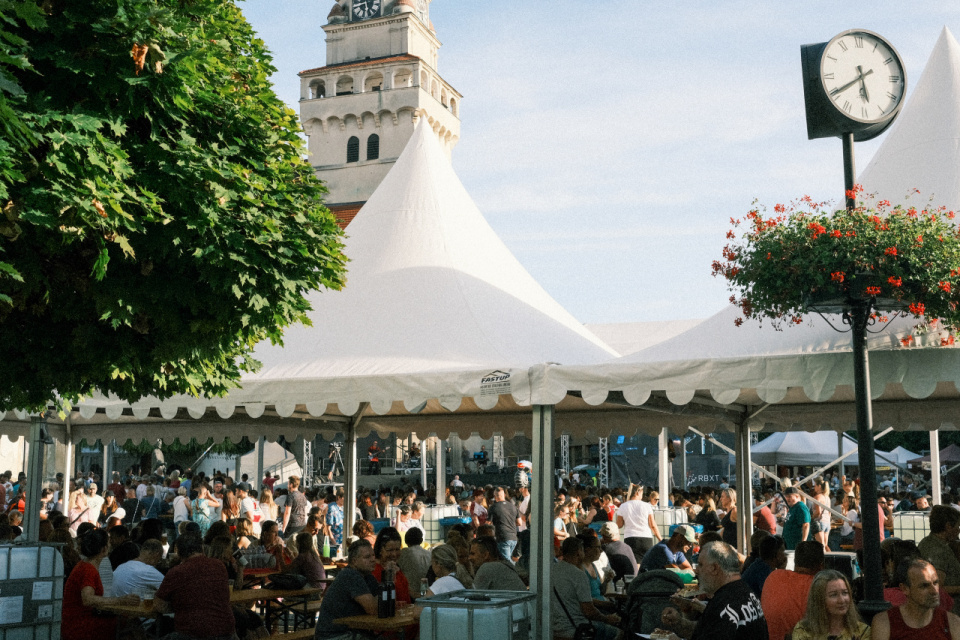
(158, 217)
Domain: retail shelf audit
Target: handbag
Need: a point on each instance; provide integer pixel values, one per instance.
(585, 631)
(287, 581)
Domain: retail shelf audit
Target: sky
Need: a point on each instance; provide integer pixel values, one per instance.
(609, 143)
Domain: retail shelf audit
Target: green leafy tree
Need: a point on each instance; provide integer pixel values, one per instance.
(159, 219)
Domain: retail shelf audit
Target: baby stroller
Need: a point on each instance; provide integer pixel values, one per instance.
(648, 595)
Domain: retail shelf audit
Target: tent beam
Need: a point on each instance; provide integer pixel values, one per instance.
(351, 469)
(935, 489)
(744, 489)
(541, 520)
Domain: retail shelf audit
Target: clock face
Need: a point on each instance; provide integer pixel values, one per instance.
(422, 10)
(363, 9)
(862, 76)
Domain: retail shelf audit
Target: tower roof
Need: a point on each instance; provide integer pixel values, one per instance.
(404, 57)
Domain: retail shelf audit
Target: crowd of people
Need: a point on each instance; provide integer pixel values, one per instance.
(173, 537)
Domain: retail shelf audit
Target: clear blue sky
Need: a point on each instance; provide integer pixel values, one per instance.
(609, 143)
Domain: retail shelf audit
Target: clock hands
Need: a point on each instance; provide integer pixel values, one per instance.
(863, 85)
(859, 78)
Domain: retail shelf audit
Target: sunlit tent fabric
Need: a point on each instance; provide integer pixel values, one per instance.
(801, 378)
(922, 149)
(901, 456)
(436, 312)
(802, 449)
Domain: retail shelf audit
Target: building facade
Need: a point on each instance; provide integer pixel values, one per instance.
(359, 110)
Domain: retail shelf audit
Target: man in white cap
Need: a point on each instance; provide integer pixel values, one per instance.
(670, 553)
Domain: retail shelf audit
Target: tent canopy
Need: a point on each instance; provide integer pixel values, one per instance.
(948, 455)
(437, 315)
(803, 449)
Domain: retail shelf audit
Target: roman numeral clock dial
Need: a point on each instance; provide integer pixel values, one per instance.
(862, 75)
(855, 83)
(364, 9)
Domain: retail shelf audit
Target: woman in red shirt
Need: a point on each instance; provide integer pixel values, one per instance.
(83, 593)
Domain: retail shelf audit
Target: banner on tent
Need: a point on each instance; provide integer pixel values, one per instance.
(495, 383)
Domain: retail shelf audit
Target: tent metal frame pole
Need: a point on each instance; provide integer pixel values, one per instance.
(423, 464)
(603, 473)
(663, 467)
(261, 445)
(351, 469)
(744, 489)
(565, 453)
(67, 464)
(541, 520)
(936, 490)
(441, 470)
(31, 517)
(840, 453)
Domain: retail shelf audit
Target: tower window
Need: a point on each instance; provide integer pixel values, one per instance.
(353, 149)
(373, 147)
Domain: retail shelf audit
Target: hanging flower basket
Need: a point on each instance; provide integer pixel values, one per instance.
(806, 258)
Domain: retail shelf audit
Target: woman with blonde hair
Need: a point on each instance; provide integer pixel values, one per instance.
(268, 508)
(77, 513)
(202, 509)
(708, 517)
(443, 560)
(830, 611)
(728, 502)
(244, 533)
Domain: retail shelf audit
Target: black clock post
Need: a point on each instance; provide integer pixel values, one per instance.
(853, 89)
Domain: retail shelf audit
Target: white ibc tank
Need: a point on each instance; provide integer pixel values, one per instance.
(477, 615)
(431, 520)
(31, 594)
(911, 525)
(665, 517)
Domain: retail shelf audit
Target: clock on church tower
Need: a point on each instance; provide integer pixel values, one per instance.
(365, 9)
(379, 81)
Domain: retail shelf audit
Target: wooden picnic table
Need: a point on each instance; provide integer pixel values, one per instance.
(140, 610)
(404, 618)
(275, 603)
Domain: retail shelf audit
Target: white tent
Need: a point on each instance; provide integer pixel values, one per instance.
(436, 313)
(922, 149)
(901, 456)
(803, 449)
(802, 377)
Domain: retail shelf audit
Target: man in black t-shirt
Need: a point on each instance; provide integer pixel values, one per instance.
(352, 593)
(733, 611)
(505, 518)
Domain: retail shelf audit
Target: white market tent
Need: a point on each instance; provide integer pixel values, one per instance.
(902, 456)
(436, 310)
(436, 331)
(803, 449)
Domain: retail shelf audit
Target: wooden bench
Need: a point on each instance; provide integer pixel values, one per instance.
(302, 634)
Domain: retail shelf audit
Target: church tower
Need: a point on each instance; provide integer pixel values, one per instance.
(360, 109)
